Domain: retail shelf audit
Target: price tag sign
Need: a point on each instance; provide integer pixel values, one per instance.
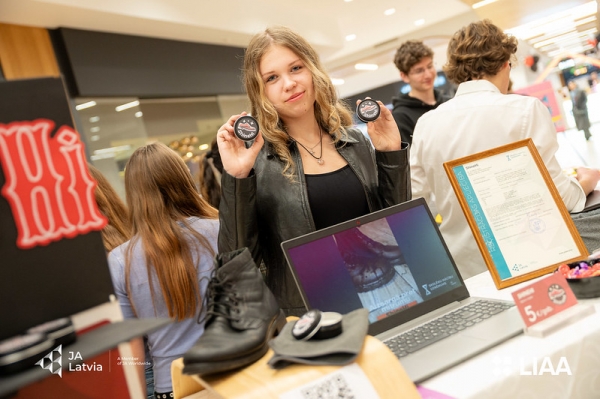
(544, 298)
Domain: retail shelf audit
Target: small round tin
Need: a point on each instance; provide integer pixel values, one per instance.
(23, 351)
(331, 325)
(246, 128)
(315, 324)
(367, 110)
(61, 331)
(307, 326)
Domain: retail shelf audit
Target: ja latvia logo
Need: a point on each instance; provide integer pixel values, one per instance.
(52, 361)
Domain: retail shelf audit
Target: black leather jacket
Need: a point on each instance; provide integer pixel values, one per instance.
(266, 208)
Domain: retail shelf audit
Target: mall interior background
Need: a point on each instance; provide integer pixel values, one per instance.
(140, 71)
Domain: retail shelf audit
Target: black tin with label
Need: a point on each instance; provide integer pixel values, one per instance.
(246, 128)
(23, 351)
(368, 110)
(61, 331)
(317, 325)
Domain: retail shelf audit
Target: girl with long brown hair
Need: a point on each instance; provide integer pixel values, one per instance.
(164, 269)
(118, 229)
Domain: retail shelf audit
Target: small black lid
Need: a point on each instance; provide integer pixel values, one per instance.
(368, 110)
(330, 326)
(307, 325)
(246, 128)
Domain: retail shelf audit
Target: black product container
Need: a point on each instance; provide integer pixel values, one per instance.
(246, 128)
(61, 331)
(368, 110)
(23, 351)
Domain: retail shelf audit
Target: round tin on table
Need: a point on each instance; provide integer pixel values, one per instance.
(315, 324)
(61, 331)
(368, 110)
(23, 351)
(246, 128)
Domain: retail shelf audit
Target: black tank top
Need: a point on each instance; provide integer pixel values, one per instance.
(335, 197)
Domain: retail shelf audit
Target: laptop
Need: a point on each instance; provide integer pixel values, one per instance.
(394, 262)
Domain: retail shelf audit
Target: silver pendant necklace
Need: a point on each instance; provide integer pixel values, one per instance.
(319, 159)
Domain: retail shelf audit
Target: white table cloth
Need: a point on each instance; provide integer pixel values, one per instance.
(564, 364)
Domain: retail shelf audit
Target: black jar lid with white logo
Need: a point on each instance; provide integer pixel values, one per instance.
(368, 110)
(246, 128)
(315, 324)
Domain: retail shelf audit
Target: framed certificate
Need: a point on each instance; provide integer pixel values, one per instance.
(515, 212)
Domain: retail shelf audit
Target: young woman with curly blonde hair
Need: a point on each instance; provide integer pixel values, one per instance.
(308, 167)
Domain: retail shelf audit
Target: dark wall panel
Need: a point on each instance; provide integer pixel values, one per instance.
(113, 65)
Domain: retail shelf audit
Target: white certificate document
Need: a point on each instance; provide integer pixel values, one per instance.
(520, 223)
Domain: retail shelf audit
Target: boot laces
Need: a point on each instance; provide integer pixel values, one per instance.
(220, 300)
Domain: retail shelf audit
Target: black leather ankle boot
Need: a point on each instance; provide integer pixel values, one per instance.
(242, 316)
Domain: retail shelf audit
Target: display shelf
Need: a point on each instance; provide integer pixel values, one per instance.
(90, 344)
(259, 381)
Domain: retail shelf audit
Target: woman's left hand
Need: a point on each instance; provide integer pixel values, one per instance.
(384, 132)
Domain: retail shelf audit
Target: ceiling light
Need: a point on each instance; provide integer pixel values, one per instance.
(351, 37)
(366, 67)
(585, 20)
(139, 114)
(482, 3)
(94, 119)
(337, 82)
(389, 11)
(85, 105)
(95, 129)
(127, 106)
(567, 37)
(543, 25)
(419, 22)
(95, 137)
(203, 147)
(556, 33)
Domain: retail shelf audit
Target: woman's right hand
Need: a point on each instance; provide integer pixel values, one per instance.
(237, 160)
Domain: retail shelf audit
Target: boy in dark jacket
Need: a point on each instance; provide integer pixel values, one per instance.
(414, 60)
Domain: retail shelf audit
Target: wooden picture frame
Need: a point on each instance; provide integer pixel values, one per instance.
(518, 219)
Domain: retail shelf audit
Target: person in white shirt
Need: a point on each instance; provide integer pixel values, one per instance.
(482, 116)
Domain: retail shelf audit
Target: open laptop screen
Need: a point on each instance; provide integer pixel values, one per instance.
(387, 262)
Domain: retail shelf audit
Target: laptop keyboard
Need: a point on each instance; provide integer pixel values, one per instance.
(442, 327)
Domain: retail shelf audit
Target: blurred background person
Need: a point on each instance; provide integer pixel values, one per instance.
(580, 111)
(211, 169)
(593, 82)
(163, 271)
